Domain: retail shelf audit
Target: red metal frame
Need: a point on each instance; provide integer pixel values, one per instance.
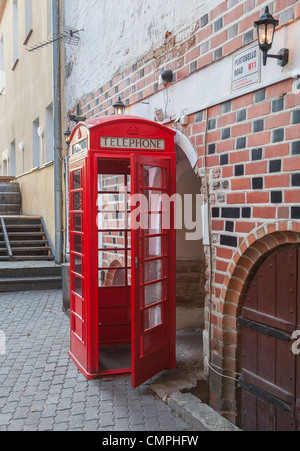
(84, 312)
(121, 292)
(150, 360)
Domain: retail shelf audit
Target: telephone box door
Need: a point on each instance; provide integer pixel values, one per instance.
(154, 266)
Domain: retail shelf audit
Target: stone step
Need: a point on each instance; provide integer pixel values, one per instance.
(28, 276)
(30, 283)
(22, 258)
(30, 249)
(30, 269)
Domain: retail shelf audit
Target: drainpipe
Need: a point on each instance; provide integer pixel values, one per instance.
(57, 133)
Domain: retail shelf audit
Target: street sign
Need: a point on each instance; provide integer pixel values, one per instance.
(246, 68)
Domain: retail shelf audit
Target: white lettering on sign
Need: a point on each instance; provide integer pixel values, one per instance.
(133, 143)
(246, 68)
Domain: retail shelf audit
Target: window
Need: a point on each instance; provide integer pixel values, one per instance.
(114, 237)
(28, 19)
(13, 159)
(15, 33)
(4, 168)
(77, 254)
(2, 71)
(49, 134)
(36, 143)
(5, 163)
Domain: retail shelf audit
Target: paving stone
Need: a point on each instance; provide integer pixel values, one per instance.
(91, 426)
(5, 419)
(78, 408)
(41, 388)
(107, 420)
(33, 418)
(76, 421)
(16, 426)
(46, 424)
(121, 412)
(108, 406)
(21, 413)
(92, 413)
(63, 416)
(49, 411)
(61, 427)
(92, 401)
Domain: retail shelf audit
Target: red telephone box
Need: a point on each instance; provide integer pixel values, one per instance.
(122, 277)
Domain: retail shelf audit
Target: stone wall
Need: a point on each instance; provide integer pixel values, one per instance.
(190, 282)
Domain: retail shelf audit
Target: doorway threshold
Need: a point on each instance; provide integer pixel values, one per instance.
(185, 389)
(114, 359)
(189, 359)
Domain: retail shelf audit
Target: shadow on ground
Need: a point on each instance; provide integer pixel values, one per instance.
(189, 376)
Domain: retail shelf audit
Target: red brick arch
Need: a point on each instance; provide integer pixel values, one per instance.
(250, 255)
(115, 265)
(226, 341)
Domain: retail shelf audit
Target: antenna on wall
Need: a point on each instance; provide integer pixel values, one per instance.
(69, 36)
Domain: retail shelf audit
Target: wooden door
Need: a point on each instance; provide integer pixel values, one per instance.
(270, 370)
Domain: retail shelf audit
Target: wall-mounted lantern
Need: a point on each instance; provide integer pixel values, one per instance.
(119, 107)
(266, 29)
(67, 136)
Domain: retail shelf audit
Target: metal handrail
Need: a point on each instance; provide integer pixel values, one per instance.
(7, 243)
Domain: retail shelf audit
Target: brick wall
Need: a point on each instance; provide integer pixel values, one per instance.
(251, 173)
(249, 163)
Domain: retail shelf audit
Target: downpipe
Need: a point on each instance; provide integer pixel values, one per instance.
(57, 134)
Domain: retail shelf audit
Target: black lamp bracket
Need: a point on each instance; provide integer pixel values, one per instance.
(282, 57)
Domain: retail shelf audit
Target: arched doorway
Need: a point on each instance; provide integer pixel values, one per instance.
(263, 243)
(270, 399)
(190, 258)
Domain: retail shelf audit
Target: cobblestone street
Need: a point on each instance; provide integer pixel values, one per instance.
(41, 389)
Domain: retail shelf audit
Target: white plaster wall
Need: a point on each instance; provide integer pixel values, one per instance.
(119, 32)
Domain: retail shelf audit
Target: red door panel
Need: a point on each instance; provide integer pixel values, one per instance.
(78, 348)
(153, 275)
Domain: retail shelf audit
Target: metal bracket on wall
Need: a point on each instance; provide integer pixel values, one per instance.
(264, 396)
(69, 36)
(263, 329)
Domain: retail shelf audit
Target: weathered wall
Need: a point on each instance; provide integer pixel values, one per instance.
(38, 196)
(2, 8)
(118, 33)
(26, 97)
(28, 85)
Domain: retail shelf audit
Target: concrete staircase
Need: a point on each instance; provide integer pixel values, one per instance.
(24, 238)
(26, 255)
